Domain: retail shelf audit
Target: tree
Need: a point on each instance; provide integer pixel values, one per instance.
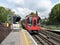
(54, 16)
(4, 12)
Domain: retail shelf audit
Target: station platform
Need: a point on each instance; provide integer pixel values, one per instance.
(21, 37)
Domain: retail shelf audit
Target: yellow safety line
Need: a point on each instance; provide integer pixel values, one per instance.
(26, 40)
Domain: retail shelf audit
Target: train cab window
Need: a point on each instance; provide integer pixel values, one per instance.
(38, 21)
(30, 20)
(16, 19)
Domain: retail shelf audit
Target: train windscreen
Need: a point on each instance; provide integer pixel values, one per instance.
(30, 21)
(38, 21)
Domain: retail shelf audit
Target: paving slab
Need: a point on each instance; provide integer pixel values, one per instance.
(21, 37)
(28, 38)
(12, 39)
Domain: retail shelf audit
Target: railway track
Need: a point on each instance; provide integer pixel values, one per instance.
(46, 38)
(51, 35)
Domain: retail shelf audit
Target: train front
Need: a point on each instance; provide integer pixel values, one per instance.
(33, 23)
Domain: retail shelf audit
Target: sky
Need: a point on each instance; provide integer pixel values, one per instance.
(24, 7)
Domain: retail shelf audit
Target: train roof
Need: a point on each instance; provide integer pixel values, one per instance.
(31, 16)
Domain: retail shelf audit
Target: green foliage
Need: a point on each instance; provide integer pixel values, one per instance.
(32, 13)
(54, 16)
(4, 12)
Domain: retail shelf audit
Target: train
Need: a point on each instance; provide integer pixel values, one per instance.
(32, 24)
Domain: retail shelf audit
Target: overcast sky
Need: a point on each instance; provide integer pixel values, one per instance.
(24, 7)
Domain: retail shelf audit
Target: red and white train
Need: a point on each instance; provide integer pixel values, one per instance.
(32, 24)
